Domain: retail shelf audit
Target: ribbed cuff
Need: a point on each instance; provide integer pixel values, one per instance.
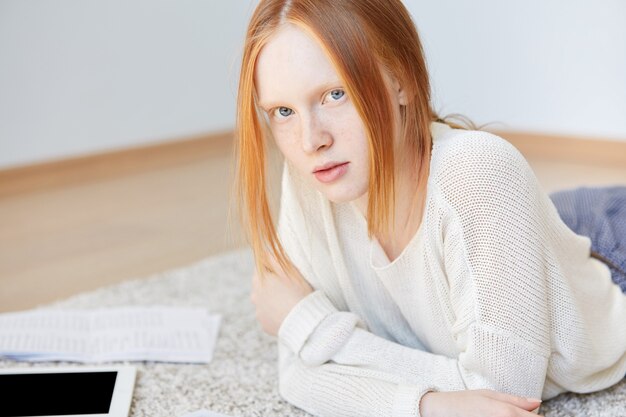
(406, 402)
(303, 318)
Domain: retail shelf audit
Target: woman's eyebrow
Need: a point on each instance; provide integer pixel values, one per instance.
(314, 92)
(268, 106)
(328, 85)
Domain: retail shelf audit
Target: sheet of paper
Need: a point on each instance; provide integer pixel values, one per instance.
(166, 334)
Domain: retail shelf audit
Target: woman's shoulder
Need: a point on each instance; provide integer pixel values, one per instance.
(461, 156)
(480, 169)
(469, 147)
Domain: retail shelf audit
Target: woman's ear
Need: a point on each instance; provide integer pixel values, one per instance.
(403, 98)
(400, 92)
(395, 88)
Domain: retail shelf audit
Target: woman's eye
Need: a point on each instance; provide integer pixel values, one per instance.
(334, 95)
(283, 111)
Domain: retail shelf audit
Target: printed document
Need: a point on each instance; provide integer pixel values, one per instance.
(164, 334)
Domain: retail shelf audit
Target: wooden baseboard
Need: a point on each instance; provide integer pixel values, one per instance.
(107, 165)
(74, 171)
(567, 149)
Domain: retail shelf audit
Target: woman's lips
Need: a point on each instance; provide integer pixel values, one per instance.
(331, 174)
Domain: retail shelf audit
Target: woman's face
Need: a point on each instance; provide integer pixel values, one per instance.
(313, 121)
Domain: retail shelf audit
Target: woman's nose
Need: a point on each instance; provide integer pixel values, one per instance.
(315, 135)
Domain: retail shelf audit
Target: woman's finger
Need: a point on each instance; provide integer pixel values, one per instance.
(525, 403)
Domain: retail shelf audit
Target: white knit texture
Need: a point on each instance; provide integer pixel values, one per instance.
(494, 291)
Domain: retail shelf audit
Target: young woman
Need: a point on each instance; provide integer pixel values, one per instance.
(416, 268)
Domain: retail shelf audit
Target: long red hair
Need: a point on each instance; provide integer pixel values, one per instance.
(362, 38)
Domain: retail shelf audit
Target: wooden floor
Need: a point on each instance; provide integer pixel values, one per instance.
(106, 219)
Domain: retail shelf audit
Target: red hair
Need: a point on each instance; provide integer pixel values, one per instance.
(364, 39)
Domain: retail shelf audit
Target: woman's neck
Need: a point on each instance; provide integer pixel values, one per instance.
(407, 215)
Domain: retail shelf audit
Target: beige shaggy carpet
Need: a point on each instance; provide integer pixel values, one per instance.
(242, 378)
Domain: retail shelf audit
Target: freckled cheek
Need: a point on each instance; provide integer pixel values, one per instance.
(343, 120)
(348, 132)
(288, 142)
(350, 137)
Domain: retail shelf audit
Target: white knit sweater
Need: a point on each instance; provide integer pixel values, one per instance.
(493, 291)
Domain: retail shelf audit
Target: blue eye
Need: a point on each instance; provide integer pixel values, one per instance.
(285, 111)
(337, 94)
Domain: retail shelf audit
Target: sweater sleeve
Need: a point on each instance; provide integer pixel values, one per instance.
(499, 209)
(334, 390)
(317, 333)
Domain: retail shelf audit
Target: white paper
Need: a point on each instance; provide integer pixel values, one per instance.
(165, 334)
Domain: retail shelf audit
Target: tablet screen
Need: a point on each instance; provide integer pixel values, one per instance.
(49, 394)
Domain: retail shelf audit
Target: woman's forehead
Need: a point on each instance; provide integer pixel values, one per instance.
(292, 61)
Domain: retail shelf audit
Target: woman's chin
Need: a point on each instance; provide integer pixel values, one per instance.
(341, 196)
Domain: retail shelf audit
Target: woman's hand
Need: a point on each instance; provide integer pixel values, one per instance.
(275, 296)
(476, 403)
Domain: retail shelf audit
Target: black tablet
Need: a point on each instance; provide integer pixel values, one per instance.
(67, 391)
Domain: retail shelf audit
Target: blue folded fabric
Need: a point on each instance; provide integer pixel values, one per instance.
(600, 214)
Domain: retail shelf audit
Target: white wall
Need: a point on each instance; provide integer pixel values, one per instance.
(555, 66)
(82, 76)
